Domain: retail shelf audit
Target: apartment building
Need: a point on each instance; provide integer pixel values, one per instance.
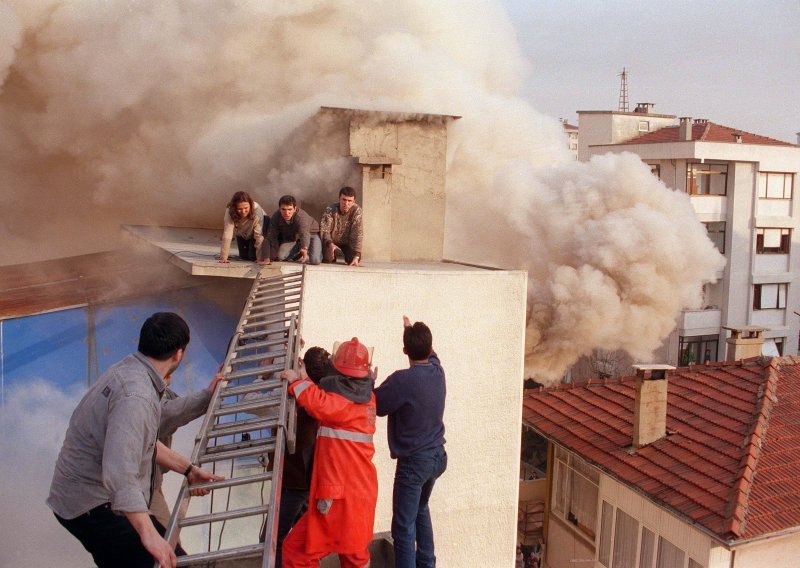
(742, 187)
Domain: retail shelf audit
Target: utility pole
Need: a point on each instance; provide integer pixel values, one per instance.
(623, 91)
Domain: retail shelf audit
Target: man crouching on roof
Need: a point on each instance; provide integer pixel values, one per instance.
(344, 482)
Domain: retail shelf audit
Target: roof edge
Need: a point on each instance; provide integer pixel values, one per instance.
(736, 521)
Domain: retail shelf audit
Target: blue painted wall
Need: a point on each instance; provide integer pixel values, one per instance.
(56, 346)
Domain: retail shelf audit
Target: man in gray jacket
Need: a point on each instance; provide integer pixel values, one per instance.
(103, 479)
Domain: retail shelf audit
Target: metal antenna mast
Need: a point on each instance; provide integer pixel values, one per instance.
(623, 91)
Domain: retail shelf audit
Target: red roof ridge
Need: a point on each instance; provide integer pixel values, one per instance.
(738, 506)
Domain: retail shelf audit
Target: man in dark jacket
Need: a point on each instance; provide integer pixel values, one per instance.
(290, 225)
(413, 399)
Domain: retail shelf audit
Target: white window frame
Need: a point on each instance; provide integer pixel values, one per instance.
(775, 185)
(770, 296)
(570, 469)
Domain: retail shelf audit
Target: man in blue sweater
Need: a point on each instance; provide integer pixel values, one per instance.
(413, 399)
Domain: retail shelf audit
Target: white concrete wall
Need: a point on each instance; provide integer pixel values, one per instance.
(772, 553)
(477, 320)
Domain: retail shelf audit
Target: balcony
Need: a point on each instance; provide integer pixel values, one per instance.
(700, 322)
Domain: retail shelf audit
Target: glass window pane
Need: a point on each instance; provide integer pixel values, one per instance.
(604, 554)
(626, 533)
(769, 296)
(647, 549)
(669, 555)
(772, 238)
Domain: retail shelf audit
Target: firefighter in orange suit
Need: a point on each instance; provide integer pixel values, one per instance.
(344, 483)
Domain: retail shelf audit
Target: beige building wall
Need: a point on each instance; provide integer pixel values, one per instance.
(478, 322)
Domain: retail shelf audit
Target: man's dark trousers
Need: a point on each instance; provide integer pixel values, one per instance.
(111, 539)
(412, 530)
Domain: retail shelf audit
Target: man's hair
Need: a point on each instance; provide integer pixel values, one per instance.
(418, 341)
(287, 200)
(162, 335)
(318, 363)
(348, 191)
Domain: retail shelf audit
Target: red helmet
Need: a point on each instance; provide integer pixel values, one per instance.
(352, 359)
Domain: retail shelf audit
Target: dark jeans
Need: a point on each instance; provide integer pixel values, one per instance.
(347, 251)
(294, 503)
(412, 530)
(111, 539)
(247, 248)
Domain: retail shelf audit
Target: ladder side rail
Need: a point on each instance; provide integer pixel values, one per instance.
(271, 532)
(172, 533)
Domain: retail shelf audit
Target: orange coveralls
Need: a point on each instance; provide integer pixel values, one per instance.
(343, 472)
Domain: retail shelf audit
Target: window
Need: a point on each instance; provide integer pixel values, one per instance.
(648, 548)
(644, 126)
(775, 185)
(696, 349)
(716, 232)
(706, 179)
(626, 535)
(773, 241)
(769, 296)
(606, 522)
(669, 555)
(575, 492)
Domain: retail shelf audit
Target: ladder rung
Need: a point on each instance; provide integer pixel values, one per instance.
(240, 426)
(255, 386)
(255, 314)
(255, 371)
(249, 551)
(224, 515)
(262, 402)
(241, 453)
(264, 334)
(276, 292)
(267, 321)
(281, 285)
(236, 446)
(234, 481)
(290, 302)
(260, 344)
(238, 360)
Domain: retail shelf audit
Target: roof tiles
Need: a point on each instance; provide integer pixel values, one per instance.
(705, 131)
(730, 459)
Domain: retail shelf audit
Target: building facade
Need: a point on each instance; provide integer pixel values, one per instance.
(742, 188)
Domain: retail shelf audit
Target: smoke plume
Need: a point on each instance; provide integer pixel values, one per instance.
(156, 111)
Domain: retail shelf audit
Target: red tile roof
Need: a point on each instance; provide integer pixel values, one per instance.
(705, 131)
(730, 459)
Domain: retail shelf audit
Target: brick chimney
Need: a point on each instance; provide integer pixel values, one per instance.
(744, 342)
(685, 130)
(650, 404)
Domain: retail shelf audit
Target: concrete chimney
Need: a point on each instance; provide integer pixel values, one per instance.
(650, 404)
(744, 342)
(737, 137)
(798, 137)
(644, 108)
(685, 131)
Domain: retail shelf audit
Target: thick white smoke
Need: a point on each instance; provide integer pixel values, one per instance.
(32, 425)
(155, 111)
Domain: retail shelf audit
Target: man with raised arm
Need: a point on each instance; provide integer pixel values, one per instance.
(413, 399)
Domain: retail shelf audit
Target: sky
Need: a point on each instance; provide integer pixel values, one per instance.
(736, 63)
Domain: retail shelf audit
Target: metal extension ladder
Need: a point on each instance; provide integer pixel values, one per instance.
(249, 418)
